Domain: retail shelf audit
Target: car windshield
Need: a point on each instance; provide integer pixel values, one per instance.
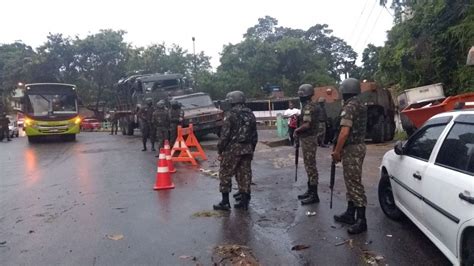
(44, 104)
(193, 102)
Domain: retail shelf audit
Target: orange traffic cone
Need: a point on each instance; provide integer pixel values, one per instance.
(163, 177)
(171, 168)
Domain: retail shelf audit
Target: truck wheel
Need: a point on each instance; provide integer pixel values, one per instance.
(130, 129)
(378, 130)
(389, 131)
(386, 200)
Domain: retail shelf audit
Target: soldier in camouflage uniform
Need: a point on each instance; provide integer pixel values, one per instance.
(236, 146)
(307, 135)
(323, 118)
(5, 121)
(350, 148)
(162, 123)
(176, 118)
(147, 127)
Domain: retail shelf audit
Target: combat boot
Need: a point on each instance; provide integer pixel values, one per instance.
(244, 202)
(313, 196)
(348, 216)
(224, 205)
(153, 147)
(144, 146)
(360, 224)
(304, 195)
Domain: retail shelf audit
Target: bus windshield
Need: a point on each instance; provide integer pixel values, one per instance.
(50, 100)
(45, 104)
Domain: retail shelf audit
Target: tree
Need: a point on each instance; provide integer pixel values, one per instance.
(100, 60)
(370, 62)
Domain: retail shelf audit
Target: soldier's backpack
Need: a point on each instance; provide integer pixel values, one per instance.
(247, 126)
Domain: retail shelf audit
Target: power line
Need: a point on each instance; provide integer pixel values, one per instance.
(373, 27)
(358, 20)
(365, 24)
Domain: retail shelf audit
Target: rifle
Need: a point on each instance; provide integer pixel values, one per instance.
(297, 152)
(332, 178)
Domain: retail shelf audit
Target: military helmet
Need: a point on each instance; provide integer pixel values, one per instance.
(350, 86)
(321, 100)
(175, 103)
(470, 57)
(305, 90)
(235, 97)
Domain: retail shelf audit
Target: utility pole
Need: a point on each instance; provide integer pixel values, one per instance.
(194, 61)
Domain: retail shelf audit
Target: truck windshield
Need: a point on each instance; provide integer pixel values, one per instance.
(44, 104)
(193, 102)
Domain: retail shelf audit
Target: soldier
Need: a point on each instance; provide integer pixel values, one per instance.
(323, 118)
(350, 147)
(162, 123)
(176, 118)
(5, 121)
(236, 146)
(114, 123)
(307, 134)
(147, 128)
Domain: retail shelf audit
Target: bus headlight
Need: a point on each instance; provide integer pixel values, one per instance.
(28, 122)
(77, 121)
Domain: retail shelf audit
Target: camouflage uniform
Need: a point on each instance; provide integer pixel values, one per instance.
(162, 123)
(323, 117)
(4, 121)
(308, 141)
(176, 118)
(114, 124)
(236, 154)
(354, 115)
(148, 129)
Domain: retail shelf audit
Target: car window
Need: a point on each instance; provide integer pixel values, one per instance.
(458, 149)
(422, 143)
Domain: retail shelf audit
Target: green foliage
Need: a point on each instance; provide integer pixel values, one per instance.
(429, 46)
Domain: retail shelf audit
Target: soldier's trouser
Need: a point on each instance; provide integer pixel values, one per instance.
(173, 133)
(161, 135)
(321, 132)
(309, 145)
(145, 133)
(152, 135)
(352, 160)
(114, 128)
(238, 165)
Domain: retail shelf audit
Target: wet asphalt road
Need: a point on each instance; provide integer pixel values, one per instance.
(59, 200)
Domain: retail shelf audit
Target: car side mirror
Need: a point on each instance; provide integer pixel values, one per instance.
(398, 148)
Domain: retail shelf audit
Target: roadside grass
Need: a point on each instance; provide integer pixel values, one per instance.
(400, 135)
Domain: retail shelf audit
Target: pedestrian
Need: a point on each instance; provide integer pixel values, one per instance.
(291, 114)
(162, 123)
(5, 121)
(146, 126)
(350, 148)
(235, 148)
(176, 114)
(306, 134)
(323, 118)
(114, 123)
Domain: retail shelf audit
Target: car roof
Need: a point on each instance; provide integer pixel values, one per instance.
(454, 114)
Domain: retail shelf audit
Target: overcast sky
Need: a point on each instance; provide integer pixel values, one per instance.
(212, 23)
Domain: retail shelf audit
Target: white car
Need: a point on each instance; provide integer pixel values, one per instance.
(430, 179)
(13, 129)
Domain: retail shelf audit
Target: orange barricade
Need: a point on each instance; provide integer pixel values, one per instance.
(192, 142)
(180, 147)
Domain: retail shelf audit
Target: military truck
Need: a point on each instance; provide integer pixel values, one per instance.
(200, 111)
(131, 93)
(380, 110)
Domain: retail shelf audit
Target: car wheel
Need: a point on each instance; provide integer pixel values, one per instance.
(386, 199)
(468, 257)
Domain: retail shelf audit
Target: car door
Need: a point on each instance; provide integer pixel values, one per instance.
(407, 171)
(448, 184)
